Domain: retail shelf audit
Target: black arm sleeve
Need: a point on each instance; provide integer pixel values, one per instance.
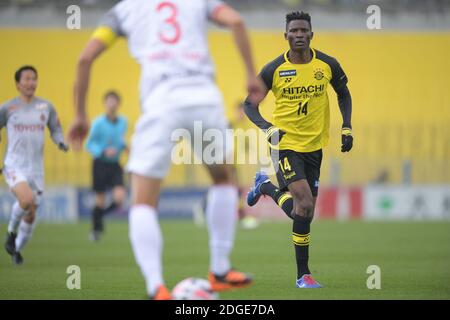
(339, 82)
(339, 78)
(345, 104)
(255, 116)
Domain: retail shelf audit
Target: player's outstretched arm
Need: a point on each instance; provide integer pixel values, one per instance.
(230, 18)
(80, 127)
(92, 50)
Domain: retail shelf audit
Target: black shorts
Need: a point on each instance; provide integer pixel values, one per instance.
(293, 166)
(106, 175)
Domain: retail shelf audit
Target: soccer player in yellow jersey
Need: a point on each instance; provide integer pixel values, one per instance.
(299, 80)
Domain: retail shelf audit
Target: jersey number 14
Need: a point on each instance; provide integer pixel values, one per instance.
(302, 109)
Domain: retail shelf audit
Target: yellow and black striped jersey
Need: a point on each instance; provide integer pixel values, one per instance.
(301, 99)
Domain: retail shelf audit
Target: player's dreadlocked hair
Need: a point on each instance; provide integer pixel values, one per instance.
(297, 15)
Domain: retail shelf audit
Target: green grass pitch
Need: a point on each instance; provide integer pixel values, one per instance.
(414, 259)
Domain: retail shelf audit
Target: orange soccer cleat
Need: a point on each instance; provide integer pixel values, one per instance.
(162, 294)
(231, 280)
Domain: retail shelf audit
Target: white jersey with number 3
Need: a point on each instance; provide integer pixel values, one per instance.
(169, 40)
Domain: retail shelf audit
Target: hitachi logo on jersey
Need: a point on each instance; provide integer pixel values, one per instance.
(29, 127)
(288, 73)
(308, 89)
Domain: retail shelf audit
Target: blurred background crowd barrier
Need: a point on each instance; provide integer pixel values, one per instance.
(398, 78)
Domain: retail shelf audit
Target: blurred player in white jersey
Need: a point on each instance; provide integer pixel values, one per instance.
(169, 40)
(25, 118)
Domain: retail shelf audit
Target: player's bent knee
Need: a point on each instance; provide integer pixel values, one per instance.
(304, 209)
(99, 199)
(119, 196)
(30, 216)
(100, 204)
(26, 203)
(308, 208)
(303, 214)
(303, 200)
(300, 195)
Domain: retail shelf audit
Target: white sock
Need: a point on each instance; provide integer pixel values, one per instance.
(16, 216)
(25, 233)
(221, 216)
(146, 240)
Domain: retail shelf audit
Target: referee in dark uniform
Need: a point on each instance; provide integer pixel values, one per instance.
(105, 143)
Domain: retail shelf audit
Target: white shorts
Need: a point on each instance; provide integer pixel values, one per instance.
(14, 176)
(154, 144)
